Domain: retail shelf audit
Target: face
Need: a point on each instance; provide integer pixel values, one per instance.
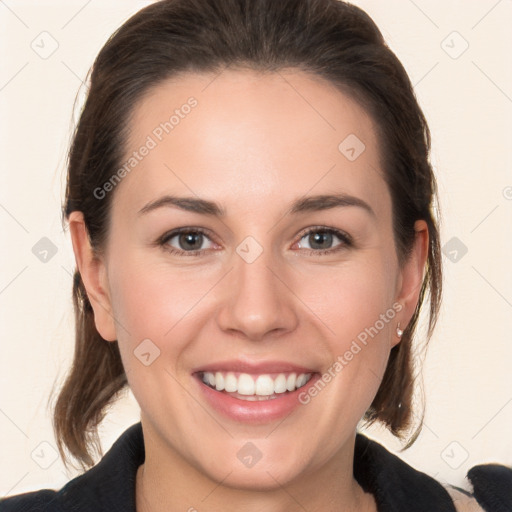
(253, 274)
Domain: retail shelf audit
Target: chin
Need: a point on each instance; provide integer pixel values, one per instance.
(251, 465)
(257, 478)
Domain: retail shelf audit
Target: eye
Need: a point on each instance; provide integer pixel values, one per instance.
(320, 240)
(190, 241)
(185, 241)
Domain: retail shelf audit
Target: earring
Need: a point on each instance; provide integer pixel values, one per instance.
(399, 331)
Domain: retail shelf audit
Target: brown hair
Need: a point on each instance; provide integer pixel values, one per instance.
(328, 38)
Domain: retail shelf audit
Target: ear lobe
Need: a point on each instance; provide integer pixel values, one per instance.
(94, 276)
(411, 275)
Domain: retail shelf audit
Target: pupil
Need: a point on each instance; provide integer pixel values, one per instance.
(188, 238)
(320, 237)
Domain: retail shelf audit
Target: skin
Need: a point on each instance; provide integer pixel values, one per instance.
(254, 145)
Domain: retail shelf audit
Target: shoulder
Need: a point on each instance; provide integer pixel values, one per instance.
(491, 490)
(30, 502)
(463, 500)
(492, 486)
(107, 486)
(397, 485)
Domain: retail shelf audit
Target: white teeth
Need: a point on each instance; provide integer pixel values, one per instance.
(230, 383)
(290, 382)
(247, 385)
(280, 383)
(301, 380)
(219, 381)
(264, 385)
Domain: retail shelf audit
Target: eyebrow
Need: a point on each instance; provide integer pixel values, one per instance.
(301, 205)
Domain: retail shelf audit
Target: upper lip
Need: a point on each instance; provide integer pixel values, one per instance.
(262, 367)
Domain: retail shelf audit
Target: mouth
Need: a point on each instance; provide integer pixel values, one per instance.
(254, 393)
(251, 392)
(255, 387)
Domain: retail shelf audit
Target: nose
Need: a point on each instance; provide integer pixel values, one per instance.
(258, 303)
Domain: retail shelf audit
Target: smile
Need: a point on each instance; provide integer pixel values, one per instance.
(245, 386)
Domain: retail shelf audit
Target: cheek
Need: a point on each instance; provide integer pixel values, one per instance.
(153, 311)
(357, 309)
(351, 299)
(149, 300)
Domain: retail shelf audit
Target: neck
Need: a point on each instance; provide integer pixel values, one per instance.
(166, 482)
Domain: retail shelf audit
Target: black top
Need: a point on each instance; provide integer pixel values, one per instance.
(110, 485)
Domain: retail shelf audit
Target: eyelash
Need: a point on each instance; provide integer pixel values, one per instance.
(346, 240)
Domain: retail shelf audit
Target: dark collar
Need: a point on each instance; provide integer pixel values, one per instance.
(110, 485)
(395, 485)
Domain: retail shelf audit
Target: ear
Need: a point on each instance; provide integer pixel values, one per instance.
(411, 276)
(94, 276)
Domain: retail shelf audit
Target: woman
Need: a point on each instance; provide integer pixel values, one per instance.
(250, 199)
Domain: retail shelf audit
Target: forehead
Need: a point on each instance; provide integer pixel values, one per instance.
(259, 138)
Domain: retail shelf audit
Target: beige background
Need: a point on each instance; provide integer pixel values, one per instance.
(467, 98)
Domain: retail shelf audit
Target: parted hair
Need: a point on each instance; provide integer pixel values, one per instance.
(330, 39)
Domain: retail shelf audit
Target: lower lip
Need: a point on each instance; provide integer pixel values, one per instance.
(254, 412)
